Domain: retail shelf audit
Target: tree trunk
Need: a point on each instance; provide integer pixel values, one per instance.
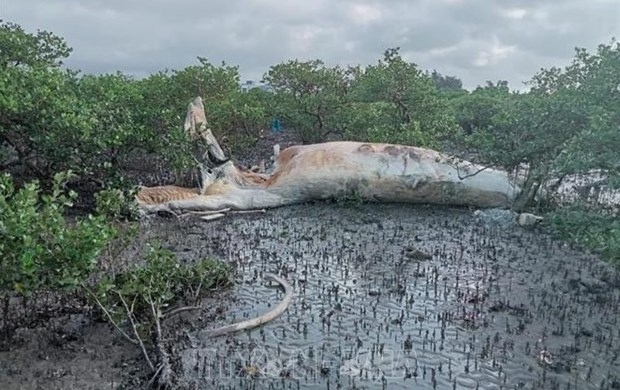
(533, 182)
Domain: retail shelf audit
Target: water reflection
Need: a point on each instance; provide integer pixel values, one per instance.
(392, 296)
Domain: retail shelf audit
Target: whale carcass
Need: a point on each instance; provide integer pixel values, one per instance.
(368, 171)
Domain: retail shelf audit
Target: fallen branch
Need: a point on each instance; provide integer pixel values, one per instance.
(263, 319)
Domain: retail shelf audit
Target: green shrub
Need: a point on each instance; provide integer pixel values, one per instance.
(157, 284)
(39, 247)
(116, 204)
(593, 230)
(141, 298)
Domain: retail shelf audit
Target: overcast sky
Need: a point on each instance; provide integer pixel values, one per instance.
(476, 40)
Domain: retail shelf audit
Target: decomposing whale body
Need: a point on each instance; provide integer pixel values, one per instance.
(368, 171)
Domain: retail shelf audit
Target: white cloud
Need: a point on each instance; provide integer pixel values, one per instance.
(495, 53)
(476, 40)
(365, 13)
(515, 13)
(304, 37)
(442, 51)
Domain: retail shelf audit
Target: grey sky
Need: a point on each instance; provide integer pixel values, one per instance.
(476, 40)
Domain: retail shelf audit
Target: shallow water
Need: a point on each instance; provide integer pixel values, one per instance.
(401, 297)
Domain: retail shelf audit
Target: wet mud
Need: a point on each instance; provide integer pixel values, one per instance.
(386, 297)
(400, 297)
(70, 352)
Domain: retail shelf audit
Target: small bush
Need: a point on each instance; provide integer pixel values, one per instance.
(156, 285)
(42, 253)
(115, 204)
(39, 247)
(596, 231)
(141, 297)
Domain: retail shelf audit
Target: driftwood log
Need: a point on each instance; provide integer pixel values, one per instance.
(369, 171)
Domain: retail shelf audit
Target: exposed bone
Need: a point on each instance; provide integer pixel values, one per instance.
(249, 211)
(201, 213)
(212, 217)
(263, 319)
(370, 171)
(207, 151)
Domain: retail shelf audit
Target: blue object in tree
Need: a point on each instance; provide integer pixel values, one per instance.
(276, 125)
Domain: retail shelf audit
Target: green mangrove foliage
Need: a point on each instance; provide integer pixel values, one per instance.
(41, 249)
(311, 97)
(404, 105)
(143, 297)
(52, 119)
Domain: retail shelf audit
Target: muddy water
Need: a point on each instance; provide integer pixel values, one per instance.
(401, 297)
